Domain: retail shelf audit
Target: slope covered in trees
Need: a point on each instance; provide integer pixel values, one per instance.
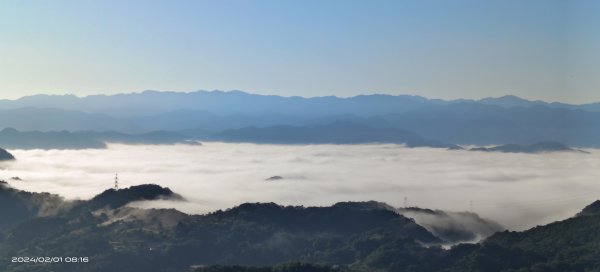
(348, 236)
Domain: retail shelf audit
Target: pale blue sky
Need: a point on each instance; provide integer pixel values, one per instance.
(537, 49)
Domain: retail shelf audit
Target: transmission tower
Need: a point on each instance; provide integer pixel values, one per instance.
(116, 181)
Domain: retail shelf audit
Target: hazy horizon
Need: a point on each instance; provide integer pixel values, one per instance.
(289, 96)
(446, 49)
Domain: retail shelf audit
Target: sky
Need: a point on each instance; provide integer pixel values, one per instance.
(536, 49)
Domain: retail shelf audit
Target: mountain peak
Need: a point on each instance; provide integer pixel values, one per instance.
(121, 197)
(592, 209)
(6, 156)
(509, 101)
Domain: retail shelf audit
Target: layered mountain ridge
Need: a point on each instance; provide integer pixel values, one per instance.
(243, 117)
(348, 236)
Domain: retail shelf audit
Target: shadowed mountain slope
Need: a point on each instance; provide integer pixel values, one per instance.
(5, 155)
(348, 236)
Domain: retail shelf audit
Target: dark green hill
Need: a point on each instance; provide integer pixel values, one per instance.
(18, 206)
(255, 234)
(118, 198)
(348, 236)
(453, 227)
(569, 245)
(592, 209)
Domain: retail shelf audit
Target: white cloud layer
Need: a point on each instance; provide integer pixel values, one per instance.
(517, 190)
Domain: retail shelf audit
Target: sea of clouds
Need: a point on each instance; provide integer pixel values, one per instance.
(517, 190)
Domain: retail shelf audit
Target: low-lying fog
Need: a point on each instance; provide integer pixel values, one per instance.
(517, 190)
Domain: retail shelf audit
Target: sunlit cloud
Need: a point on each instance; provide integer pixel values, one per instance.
(517, 190)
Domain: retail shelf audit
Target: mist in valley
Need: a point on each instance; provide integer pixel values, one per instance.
(517, 190)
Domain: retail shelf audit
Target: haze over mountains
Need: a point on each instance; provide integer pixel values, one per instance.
(240, 116)
(237, 102)
(347, 236)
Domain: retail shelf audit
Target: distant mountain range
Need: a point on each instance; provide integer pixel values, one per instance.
(344, 237)
(150, 103)
(543, 147)
(13, 139)
(334, 133)
(202, 114)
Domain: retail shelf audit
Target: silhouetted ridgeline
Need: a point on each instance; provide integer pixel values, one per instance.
(592, 209)
(117, 198)
(543, 147)
(348, 236)
(5, 155)
(490, 121)
(236, 102)
(335, 133)
(11, 138)
(453, 227)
